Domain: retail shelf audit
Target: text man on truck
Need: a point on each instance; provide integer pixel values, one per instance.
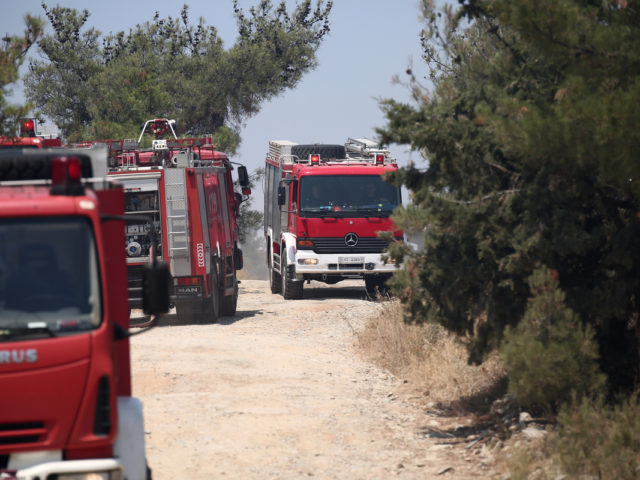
(66, 410)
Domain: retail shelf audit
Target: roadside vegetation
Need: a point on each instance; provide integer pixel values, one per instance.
(528, 199)
(588, 438)
(431, 360)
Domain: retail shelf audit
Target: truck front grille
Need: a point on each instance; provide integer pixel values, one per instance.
(337, 245)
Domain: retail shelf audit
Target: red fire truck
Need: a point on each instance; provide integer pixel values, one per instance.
(28, 138)
(185, 186)
(323, 208)
(66, 409)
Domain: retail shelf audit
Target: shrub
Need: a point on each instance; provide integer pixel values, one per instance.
(550, 356)
(600, 440)
(432, 360)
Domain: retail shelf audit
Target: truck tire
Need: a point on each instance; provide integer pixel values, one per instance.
(326, 152)
(211, 306)
(291, 289)
(229, 303)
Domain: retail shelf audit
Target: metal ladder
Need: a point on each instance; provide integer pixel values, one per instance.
(177, 222)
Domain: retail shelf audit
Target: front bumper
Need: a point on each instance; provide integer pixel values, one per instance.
(358, 264)
(108, 468)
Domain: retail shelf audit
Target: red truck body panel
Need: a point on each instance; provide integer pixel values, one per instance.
(21, 142)
(32, 416)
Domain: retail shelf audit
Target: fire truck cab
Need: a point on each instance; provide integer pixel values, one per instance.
(324, 206)
(66, 409)
(185, 186)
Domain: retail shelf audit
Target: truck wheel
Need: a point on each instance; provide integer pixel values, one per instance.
(211, 306)
(376, 286)
(275, 280)
(229, 303)
(291, 289)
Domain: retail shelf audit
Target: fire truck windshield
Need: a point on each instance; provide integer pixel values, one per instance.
(347, 196)
(49, 277)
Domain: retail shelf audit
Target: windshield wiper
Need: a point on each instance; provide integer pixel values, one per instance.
(322, 211)
(317, 209)
(374, 212)
(19, 332)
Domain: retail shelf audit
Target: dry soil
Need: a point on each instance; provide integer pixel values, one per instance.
(278, 391)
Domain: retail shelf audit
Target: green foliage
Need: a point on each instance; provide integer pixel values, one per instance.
(550, 356)
(530, 131)
(227, 140)
(600, 441)
(12, 53)
(95, 86)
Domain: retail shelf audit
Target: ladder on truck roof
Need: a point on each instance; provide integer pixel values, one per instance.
(364, 147)
(177, 221)
(355, 150)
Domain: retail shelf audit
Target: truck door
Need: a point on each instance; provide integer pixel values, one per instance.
(293, 202)
(284, 209)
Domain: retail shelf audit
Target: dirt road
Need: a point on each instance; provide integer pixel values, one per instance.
(277, 391)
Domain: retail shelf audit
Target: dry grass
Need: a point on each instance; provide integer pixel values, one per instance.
(431, 360)
(592, 440)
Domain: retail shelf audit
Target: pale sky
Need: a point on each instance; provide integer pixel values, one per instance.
(370, 42)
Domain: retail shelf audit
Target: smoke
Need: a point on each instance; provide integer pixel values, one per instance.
(255, 258)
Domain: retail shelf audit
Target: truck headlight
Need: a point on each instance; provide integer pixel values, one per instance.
(307, 261)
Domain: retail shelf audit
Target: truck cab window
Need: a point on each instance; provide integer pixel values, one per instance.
(49, 275)
(347, 195)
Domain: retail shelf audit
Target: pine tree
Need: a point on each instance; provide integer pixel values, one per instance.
(530, 133)
(95, 86)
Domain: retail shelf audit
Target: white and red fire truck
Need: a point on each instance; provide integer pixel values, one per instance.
(30, 137)
(66, 410)
(323, 208)
(185, 186)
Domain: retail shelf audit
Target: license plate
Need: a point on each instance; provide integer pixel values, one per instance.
(350, 259)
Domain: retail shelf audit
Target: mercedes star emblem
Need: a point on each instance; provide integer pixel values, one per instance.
(351, 239)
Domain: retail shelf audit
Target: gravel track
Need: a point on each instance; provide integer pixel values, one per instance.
(277, 391)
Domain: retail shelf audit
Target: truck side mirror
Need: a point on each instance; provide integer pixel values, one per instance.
(282, 195)
(243, 176)
(156, 283)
